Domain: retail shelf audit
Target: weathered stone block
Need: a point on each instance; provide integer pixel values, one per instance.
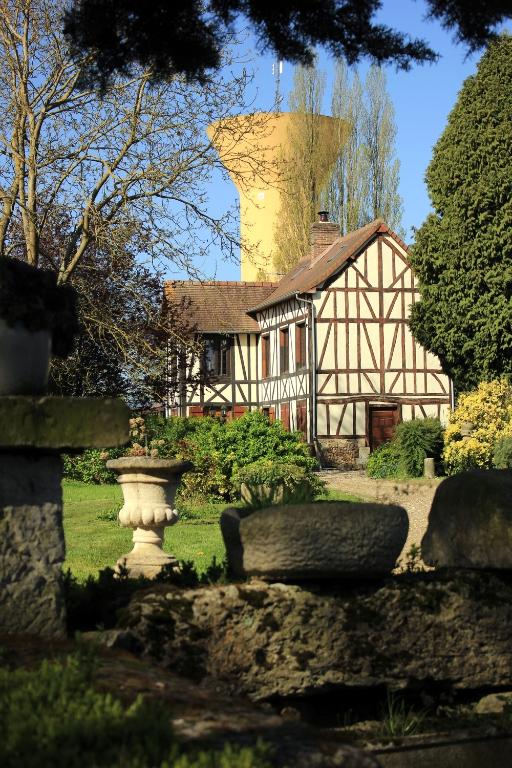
(230, 529)
(470, 522)
(324, 540)
(269, 640)
(62, 423)
(31, 545)
(363, 456)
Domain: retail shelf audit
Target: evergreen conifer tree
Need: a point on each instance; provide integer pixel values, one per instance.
(463, 251)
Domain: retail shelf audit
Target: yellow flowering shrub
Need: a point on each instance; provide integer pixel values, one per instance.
(487, 410)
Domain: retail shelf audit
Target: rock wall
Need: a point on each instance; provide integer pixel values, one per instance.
(268, 640)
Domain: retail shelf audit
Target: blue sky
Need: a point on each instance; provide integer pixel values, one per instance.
(422, 99)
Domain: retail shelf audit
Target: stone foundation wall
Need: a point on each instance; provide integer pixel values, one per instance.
(340, 454)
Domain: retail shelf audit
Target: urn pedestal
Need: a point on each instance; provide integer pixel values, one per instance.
(149, 488)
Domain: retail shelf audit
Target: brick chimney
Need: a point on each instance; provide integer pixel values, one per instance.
(323, 234)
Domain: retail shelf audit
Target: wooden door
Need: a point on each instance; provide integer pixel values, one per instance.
(285, 416)
(383, 420)
(302, 418)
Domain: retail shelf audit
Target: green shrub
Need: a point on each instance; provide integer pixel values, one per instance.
(416, 440)
(229, 757)
(384, 461)
(52, 717)
(219, 449)
(502, 457)
(90, 466)
(269, 482)
(215, 448)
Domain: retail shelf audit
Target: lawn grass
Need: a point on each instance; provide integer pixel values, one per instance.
(94, 539)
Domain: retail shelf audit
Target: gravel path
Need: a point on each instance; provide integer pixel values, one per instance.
(414, 495)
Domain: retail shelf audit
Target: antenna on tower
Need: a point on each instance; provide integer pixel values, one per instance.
(277, 71)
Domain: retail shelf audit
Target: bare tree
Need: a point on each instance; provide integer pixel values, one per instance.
(140, 152)
(364, 184)
(347, 191)
(308, 157)
(379, 133)
(129, 169)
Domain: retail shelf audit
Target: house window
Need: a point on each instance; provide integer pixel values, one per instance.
(265, 356)
(300, 345)
(217, 355)
(284, 347)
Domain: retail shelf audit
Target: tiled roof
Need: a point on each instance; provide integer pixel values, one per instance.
(309, 274)
(220, 306)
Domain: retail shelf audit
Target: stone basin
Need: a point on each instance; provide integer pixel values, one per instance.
(323, 541)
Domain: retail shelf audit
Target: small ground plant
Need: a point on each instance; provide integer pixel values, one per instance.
(267, 482)
(53, 717)
(400, 719)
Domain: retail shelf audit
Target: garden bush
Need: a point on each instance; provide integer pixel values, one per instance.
(488, 412)
(269, 482)
(219, 449)
(216, 449)
(416, 440)
(53, 717)
(502, 457)
(90, 466)
(384, 461)
(153, 436)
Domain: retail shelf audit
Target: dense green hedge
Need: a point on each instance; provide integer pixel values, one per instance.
(384, 461)
(216, 449)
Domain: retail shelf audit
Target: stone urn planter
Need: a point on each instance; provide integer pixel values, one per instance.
(149, 488)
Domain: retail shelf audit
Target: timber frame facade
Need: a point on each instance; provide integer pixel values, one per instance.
(330, 352)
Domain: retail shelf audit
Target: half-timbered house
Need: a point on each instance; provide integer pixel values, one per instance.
(229, 361)
(328, 349)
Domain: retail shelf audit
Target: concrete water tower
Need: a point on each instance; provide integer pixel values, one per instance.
(255, 150)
